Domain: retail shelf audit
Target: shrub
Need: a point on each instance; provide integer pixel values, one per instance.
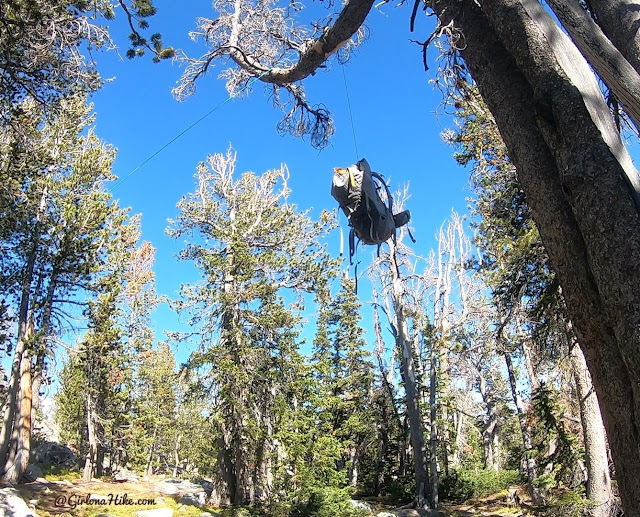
(326, 502)
(462, 484)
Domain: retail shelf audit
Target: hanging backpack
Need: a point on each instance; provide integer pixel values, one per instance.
(357, 191)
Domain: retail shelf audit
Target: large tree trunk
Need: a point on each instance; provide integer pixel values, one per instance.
(433, 425)
(619, 20)
(19, 449)
(612, 67)
(490, 437)
(578, 181)
(595, 443)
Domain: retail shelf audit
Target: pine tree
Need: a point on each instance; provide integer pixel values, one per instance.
(251, 247)
(155, 408)
(344, 378)
(55, 247)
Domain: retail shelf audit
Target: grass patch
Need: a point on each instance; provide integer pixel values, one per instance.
(60, 472)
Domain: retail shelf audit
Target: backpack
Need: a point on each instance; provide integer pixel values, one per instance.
(357, 192)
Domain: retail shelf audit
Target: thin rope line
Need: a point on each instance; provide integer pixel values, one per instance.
(156, 153)
(353, 127)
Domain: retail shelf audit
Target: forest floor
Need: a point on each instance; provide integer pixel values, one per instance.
(78, 499)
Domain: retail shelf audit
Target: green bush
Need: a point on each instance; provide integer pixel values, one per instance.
(462, 484)
(569, 503)
(326, 502)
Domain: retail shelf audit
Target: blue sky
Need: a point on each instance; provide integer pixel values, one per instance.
(394, 113)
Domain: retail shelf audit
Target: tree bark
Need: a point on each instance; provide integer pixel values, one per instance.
(17, 458)
(14, 442)
(148, 470)
(595, 442)
(610, 64)
(92, 452)
(619, 20)
(176, 455)
(578, 184)
(490, 441)
(315, 52)
(433, 441)
(410, 385)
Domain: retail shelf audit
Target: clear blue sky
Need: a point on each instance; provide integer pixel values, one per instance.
(394, 112)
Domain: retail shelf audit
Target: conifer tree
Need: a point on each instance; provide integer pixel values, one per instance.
(251, 247)
(55, 248)
(344, 378)
(106, 362)
(154, 410)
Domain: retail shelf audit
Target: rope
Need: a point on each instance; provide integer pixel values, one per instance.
(353, 127)
(189, 128)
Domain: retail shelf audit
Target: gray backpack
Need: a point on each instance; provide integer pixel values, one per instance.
(358, 194)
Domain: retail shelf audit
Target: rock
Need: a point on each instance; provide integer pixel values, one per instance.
(32, 473)
(123, 475)
(193, 493)
(12, 505)
(167, 488)
(156, 512)
(207, 484)
(363, 506)
(39, 486)
(51, 453)
(197, 499)
(385, 514)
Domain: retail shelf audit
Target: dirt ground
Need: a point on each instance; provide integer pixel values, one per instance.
(79, 499)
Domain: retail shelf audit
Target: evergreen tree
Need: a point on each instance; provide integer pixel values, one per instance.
(55, 247)
(152, 448)
(104, 366)
(344, 378)
(251, 247)
(42, 54)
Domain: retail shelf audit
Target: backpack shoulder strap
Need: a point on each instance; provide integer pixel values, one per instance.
(379, 177)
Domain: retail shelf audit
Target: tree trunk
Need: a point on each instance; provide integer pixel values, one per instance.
(529, 460)
(580, 185)
(11, 429)
(176, 455)
(410, 385)
(354, 459)
(490, 441)
(433, 439)
(148, 470)
(619, 20)
(224, 485)
(19, 450)
(533, 378)
(595, 443)
(92, 452)
(612, 67)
